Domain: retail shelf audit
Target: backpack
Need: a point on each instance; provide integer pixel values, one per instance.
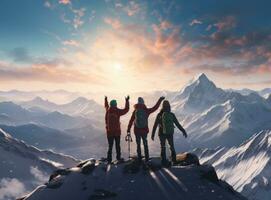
(141, 118)
(112, 121)
(167, 123)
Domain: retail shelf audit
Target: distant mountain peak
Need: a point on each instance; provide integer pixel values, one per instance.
(202, 76)
(38, 99)
(200, 82)
(80, 100)
(203, 79)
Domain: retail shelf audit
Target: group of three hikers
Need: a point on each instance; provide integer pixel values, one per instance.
(166, 120)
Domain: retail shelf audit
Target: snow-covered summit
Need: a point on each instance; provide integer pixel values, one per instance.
(129, 180)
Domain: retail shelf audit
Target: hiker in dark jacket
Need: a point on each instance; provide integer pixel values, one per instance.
(139, 119)
(112, 122)
(166, 121)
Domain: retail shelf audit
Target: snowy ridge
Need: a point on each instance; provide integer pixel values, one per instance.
(7, 142)
(247, 167)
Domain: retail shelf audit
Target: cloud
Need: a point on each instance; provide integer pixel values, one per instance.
(114, 23)
(11, 188)
(78, 14)
(49, 5)
(70, 43)
(226, 23)
(65, 2)
(39, 176)
(69, 14)
(132, 8)
(195, 22)
(47, 72)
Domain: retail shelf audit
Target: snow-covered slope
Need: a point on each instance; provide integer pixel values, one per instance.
(42, 137)
(265, 92)
(23, 167)
(247, 167)
(215, 117)
(95, 180)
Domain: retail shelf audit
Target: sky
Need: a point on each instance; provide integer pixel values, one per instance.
(133, 46)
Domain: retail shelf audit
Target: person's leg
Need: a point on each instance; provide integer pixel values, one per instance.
(170, 140)
(110, 140)
(163, 148)
(118, 150)
(146, 149)
(138, 146)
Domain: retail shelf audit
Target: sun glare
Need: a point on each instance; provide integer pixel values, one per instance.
(117, 66)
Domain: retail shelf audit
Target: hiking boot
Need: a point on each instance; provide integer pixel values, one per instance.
(166, 163)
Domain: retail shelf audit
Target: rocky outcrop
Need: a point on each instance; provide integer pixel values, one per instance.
(131, 179)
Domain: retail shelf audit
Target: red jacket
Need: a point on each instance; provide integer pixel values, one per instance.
(118, 112)
(142, 131)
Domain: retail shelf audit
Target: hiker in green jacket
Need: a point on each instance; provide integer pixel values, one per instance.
(166, 121)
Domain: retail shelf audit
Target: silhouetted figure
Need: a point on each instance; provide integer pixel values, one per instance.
(140, 120)
(112, 121)
(166, 121)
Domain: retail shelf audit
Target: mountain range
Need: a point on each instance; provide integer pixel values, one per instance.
(216, 117)
(246, 167)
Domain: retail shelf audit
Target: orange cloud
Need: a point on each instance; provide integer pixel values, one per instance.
(65, 2)
(70, 43)
(47, 73)
(115, 23)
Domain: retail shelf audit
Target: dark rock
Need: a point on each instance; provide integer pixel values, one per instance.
(62, 172)
(56, 182)
(88, 167)
(208, 172)
(102, 194)
(82, 163)
(21, 198)
(186, 159)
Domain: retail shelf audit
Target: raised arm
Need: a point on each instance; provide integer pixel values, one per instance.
(131, 122)
(126, 109)
(155, 125)
(106, 105)
(179, 126)
(156, 106)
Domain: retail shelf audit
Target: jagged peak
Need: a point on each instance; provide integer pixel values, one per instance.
(202, 76)
(200, 81)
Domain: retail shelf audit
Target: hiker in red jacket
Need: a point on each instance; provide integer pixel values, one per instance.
(140, 120)
(112, 122)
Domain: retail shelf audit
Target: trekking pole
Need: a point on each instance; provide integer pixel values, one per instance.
(129, 139)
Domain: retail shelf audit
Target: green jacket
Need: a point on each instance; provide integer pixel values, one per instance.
(158, 122)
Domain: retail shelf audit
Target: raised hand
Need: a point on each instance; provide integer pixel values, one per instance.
(185, 134)
(162, 98)
(127, 98)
